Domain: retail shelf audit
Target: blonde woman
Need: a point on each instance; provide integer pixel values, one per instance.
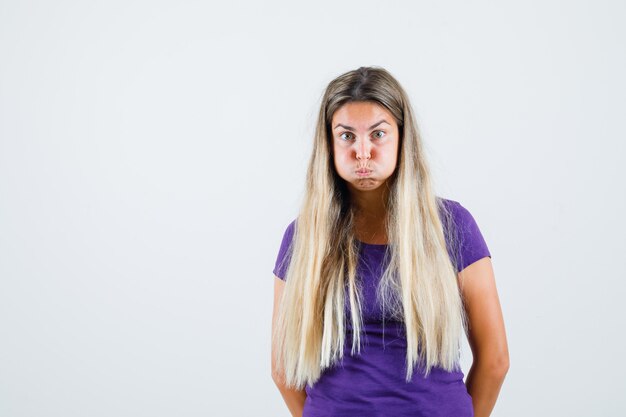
(377, 278)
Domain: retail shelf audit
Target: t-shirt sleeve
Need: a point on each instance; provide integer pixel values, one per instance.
(284, 253)
(471, 244)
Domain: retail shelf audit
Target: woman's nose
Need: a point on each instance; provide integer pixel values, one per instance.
(363, 150)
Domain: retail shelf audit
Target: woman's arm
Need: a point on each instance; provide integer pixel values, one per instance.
(486, 336)
(294, 399)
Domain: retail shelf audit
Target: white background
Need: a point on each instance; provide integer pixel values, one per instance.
(153, 152)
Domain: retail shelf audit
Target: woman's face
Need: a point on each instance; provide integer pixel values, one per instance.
(365, 140)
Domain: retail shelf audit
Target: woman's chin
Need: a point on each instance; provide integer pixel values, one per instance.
(365, 184)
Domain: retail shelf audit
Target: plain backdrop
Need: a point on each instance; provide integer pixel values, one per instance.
(152, 154)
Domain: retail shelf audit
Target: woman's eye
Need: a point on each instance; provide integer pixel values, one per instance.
(379, 134)
(346, 136)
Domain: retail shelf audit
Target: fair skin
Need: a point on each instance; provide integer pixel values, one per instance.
(365, 136)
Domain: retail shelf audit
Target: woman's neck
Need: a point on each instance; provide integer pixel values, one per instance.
(370, 215)
(370, 204)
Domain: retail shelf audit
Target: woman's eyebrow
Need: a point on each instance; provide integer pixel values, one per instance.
(351, 128)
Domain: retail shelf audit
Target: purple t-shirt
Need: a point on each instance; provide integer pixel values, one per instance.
(372, 383)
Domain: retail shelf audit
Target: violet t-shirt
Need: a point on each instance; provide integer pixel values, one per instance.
(372, 383)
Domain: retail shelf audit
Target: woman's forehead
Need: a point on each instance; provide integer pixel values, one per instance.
(361, 114)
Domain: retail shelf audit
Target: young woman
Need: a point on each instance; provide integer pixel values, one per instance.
(377, 277)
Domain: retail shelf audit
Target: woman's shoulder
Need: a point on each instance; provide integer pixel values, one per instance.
(456, 216)
(289, 230)
(288, 236)
(448, 202)
(463, 234)
(453, 208)
(284, 252)
(450, 208)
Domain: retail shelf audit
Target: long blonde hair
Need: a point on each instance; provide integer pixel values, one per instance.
(420, 279)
